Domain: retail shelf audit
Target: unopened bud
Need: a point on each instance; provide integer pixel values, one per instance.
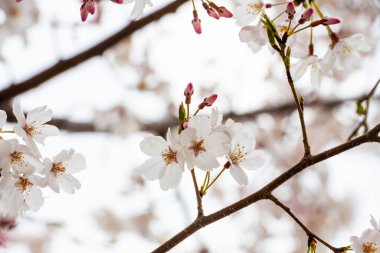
(83, 12)
(211, 11)
(224, 12)
(208, 101)
(181, 117)
(290, 10)
(90, 6)
(306, 16)
(118, 1)
(196, 22)
(189, 91)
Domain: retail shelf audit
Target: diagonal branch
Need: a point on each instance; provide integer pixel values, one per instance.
(63, 65)
(304, 228)
(266, 191)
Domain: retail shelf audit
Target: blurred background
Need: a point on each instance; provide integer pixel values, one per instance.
(108, 89)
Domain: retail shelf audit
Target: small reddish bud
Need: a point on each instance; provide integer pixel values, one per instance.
(118, 1)
(267, 6)
(185, 125)
(90, 6)
(306, 16)
(17, 1)
(83, 12)
(209, 101)
(189, 91)
(196, 22)
(325, 21)
(224, 12)
(290, 10)
(211, 11)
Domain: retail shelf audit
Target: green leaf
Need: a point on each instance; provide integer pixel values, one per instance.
(360, 109)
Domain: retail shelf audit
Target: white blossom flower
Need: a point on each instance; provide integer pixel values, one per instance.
(58, 172)
(166, 163)
(138, 8)
(318, 69)
(242, 153)
(3, 119)
(368, 242)
(248, 11)
(20, 194)
(216, 118)
(255, 37)
(201, 146)
(346, 52)
(33, 128)
(18, 157)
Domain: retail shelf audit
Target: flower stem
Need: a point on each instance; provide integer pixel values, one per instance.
(7, 132)
(320, 14)
(216, 178)
(197, 194)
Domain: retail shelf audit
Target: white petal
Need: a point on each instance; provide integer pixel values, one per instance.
(202, 125)
(39, 116)
(53, 183)
(374, 223)
(299, 69)
(17, 111)
(239, 175)
(153, 168)
(138, 9)
(187, 137)
(45, 131)
(3, 118)
(253, 160)
(76, 163)
(217, 143)
(34, 198)
(172, 177)
(153, 145)
(206, 161)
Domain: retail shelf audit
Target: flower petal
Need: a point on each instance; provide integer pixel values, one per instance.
(239, 175)
(153, 168)
(153, 145)
(172, 177)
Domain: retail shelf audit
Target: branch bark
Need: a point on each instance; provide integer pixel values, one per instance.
(63, 65)
(266, 191)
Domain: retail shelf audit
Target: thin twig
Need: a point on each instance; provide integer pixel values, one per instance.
(197, 194)
(63, 65)
(364, 122)
(304, 228)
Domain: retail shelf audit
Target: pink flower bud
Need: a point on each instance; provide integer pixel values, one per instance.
(210, 100)
(185, 125)
(83, 12)
(90, 6)
(189, 91)
(290, 10)
(325, 21)
(118, 1)
(211, 11)
(196, 23)
(224, 12)
(17, 1)
(306, 16)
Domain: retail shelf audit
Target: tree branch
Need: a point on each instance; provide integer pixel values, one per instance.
(63, 65)
(266, 191)
(304, 228)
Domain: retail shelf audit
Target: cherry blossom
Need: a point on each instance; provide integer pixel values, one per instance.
(368, 242)
(58, 172)
(318, 69)
(201, 146)
(20, 194)
(18, 157)
(138, 9)
(248, 11)
(242, 153)
(3, 119)
(346, 52)
(166, 163)
(33, 128)
(255, 37)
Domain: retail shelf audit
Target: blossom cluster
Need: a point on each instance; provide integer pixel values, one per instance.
(23, 170)
(201, 142)
(294, 18)
(369, 241)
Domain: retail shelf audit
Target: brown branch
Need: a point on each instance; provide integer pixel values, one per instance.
(304, 228)
(63, 65)
(264, 193)
(364, 123)
(197, 194)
